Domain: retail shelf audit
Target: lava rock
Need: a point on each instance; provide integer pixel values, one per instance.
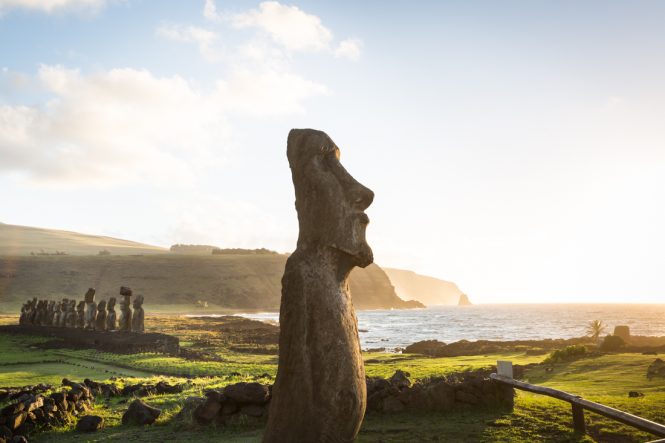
(90, 423)
(244, 393)
(139, 413)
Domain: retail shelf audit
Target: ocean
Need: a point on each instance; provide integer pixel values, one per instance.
(399, 328)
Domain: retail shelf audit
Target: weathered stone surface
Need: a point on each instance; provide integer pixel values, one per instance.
(125, 322)
(138, 315)
(100, 320)
(247, 393)
(139, 413)
(253, 410)
(207, 411)
(111, 315)
(90, 423)
(320, 393)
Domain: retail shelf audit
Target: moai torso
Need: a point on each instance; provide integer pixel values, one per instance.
(320, 394)
(137, 318)
(100, 321)
(80, 314)
(62, 321)
(90, 309)
(71, 315)
(110, 315)
(125, 323)
(50, 311)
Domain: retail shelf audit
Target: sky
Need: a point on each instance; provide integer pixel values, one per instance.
(516, 148)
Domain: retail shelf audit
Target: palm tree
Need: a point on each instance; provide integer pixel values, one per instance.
(595, 328)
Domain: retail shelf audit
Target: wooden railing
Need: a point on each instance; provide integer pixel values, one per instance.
(505, 375)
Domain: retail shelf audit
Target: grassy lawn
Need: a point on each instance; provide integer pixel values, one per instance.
(602, 378)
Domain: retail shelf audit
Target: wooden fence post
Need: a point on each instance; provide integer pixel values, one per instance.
(578, 418)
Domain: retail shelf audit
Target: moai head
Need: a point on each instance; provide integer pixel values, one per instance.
(126, 296)
(101, 306)
(138, 302)
(72, 306)
(51, 305)
(111, 304)
(329, 201)
(90, 295)
(81, 306)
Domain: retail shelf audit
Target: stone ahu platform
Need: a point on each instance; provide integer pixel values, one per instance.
(110, 341)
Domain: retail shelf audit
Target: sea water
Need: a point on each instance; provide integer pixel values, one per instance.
(393, 329)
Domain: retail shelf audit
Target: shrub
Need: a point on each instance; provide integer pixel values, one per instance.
(569, 353)
(612, 343)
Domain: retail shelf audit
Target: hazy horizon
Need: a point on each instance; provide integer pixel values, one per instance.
(515, 149)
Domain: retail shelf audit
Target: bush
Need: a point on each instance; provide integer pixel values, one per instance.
(612, 343)
(569, 353)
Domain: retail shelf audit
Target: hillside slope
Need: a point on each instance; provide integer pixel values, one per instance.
(24, 240)
(425, 289)
(225, 281)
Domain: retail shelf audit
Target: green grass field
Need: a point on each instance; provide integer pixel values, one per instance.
(603, 378)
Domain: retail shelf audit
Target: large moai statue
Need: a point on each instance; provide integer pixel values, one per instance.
(80, 314)
(72, 317)
(110, 315)
(319, 394)
(90, 309)
(125, 323)
(100, 321)
(138, 324)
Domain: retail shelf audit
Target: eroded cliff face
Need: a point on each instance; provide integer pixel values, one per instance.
(239, 282)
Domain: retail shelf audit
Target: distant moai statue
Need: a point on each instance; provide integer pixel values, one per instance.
(80, 314)
(110, 315)
(90, 309)
(125, 309)
(70, 322)
(23, 319)
(64, 307)
(100, 321)
(138, 317)
(50, 311)
(57, 306)
(33, 312)
(40, 313)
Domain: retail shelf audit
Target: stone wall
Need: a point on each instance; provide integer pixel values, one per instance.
(109, 341)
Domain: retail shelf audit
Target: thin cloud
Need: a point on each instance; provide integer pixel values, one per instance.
(51, 6)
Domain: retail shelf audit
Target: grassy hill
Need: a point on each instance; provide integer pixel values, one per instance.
(427, 290)
(24, 240)
(235, 281)
(224, 281)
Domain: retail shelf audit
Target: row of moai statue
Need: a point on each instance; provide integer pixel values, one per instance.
(87, 314)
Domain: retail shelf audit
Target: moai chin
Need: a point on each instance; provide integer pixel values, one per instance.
(100, 321)
(90, 309)
(138, 316)
(319, 393)
(110, 315)
(125, 322)
(80, 314)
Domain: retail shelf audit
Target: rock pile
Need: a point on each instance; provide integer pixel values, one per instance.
(223, 406)
(33, 411)
(440, 394)
(395, 394)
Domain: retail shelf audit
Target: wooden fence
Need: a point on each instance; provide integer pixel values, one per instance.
(505, 375)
